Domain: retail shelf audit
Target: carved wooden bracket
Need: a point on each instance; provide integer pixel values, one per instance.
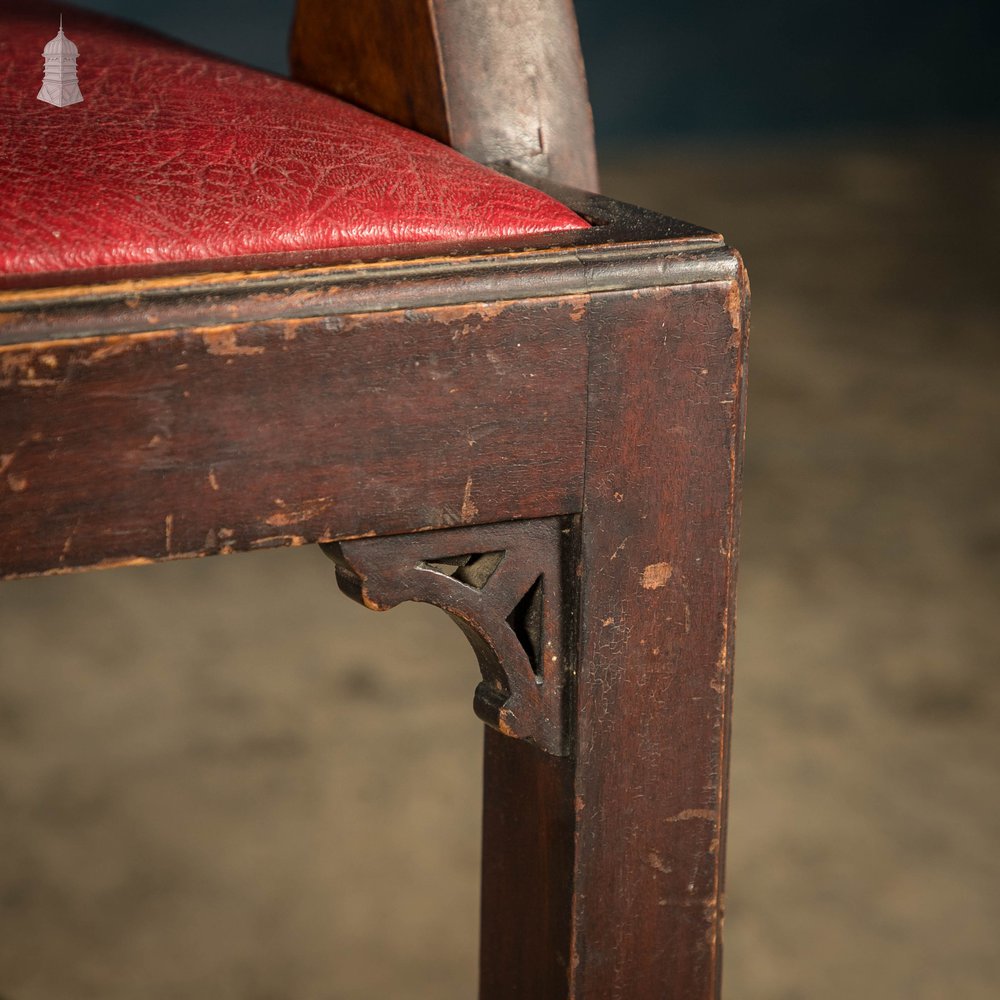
(510, 588)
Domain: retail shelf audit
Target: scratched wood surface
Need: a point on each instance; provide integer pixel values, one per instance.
(663, 466)
(602, 377)
(200, 441)
(641, 808)
(227, 412)
(597, 373)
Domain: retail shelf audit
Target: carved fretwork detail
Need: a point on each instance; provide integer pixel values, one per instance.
(509, 587)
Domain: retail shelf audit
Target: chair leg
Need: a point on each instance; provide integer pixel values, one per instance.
(603, 870)
(525, 946)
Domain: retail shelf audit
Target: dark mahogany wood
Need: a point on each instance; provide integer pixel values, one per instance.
(642, 809)
(597, 375)
(501, 82)
(510, 588)
(174, 433)
(193, 441)
(661, 502)
(526, 938)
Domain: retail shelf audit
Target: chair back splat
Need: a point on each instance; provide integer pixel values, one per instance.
(500, 80)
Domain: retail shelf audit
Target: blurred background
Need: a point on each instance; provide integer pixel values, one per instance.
(279, 798)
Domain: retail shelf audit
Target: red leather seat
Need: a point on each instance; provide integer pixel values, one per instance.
(177, 156)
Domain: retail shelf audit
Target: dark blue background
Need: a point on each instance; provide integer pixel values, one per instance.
(660, 69)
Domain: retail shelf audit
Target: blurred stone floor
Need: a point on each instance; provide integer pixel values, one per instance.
(220, 779)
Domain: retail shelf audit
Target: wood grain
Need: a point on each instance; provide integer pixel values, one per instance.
(222, 439)
(381, 55)
(654, 685)
(642, 815)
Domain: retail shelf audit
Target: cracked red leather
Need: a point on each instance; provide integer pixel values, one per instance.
(176, 155)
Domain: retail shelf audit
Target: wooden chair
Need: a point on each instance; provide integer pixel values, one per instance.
(520, 402)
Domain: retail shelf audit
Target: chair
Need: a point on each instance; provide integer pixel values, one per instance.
(238, 313)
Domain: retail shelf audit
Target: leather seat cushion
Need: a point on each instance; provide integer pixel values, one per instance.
(175, 155)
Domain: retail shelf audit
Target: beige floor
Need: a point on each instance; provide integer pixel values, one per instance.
(220, 779)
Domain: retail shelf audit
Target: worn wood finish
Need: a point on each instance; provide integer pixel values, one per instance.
(661, 501)
(601, 376)
(515, 86)
(502, 82)
(179, 443)
(174, 433)
(643, 813)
